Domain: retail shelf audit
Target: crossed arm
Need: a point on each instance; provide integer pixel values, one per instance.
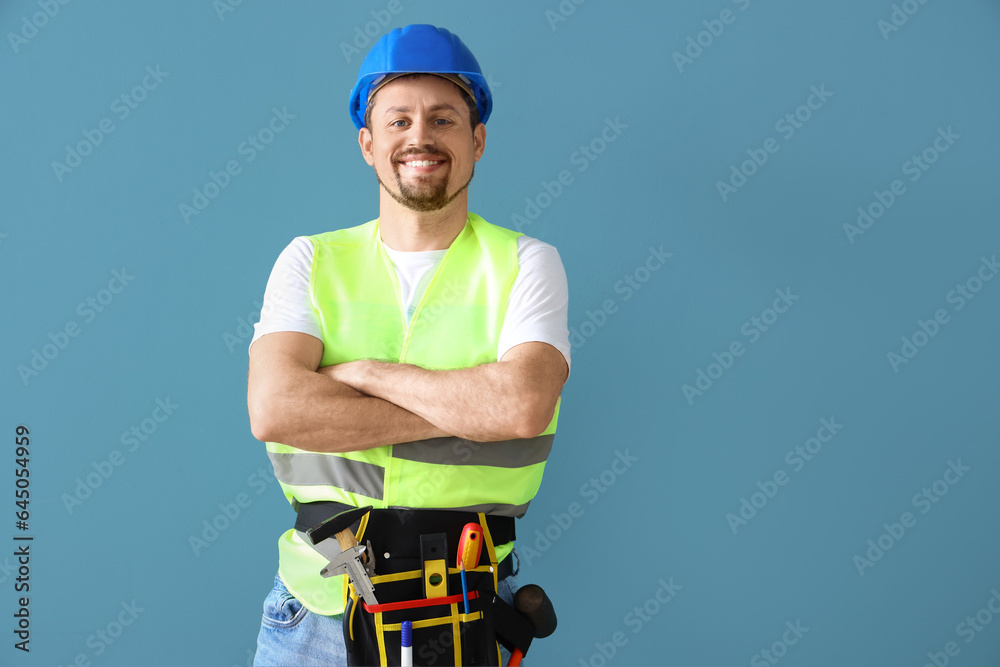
(364, 404)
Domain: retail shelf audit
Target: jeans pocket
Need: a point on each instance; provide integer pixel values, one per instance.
(506, 588)
(281, 608)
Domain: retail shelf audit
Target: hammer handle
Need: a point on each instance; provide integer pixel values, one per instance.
(346, 539)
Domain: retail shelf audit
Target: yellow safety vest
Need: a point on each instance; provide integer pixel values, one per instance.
(356, 294)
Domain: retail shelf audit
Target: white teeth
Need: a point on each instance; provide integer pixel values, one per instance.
(421, 163)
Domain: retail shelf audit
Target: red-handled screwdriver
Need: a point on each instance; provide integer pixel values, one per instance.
(470, 547)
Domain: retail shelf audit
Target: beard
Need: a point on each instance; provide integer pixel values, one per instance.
(422, 197)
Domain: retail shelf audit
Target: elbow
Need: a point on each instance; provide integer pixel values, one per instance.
(263, 426)
(261, 430)
(533, 417)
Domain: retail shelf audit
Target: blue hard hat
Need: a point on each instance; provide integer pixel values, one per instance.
(417, 49)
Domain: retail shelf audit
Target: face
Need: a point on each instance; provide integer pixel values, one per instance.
(420, 142)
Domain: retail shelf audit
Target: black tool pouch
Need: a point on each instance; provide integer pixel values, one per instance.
(443, 634)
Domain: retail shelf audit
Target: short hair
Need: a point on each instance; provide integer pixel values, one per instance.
(469, 102)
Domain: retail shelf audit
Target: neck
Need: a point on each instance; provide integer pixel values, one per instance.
(410, 231)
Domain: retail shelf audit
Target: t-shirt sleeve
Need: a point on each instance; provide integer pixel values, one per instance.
(287, 305)
(539, 300)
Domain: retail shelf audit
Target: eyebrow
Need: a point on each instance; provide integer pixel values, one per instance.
(436, 107)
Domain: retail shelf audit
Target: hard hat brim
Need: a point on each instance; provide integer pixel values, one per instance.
(419, 49)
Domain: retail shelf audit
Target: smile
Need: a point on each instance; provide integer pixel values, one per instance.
(422, 163)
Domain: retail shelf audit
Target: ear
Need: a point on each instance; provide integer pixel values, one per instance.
(365, 142)
(479, 141)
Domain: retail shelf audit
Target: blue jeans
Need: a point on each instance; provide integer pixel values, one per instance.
(292, 635)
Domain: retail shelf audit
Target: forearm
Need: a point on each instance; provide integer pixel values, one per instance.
(312, 411)
(486, 403)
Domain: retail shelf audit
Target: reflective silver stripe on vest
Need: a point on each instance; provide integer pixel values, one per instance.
(500, 510)
(495, 509)
(359, 477)
(517, 453)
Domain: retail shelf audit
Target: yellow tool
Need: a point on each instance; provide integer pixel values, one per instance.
(433, 555)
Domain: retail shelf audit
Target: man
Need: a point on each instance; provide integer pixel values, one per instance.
(412, 362)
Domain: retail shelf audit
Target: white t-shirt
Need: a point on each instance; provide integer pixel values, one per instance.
(537, 309)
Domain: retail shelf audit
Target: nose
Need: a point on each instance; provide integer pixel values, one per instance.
(422, 132)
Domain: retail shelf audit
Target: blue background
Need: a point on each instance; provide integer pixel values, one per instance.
(561, 73)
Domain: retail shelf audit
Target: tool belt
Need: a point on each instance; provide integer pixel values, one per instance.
(398, 531)
(442, 633)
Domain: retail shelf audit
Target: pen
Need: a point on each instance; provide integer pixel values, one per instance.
(406, 658)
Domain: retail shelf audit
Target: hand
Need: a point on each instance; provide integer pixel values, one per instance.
(350, 373)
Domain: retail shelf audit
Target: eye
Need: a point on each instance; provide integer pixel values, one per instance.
(443, 121)
(397, 123)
